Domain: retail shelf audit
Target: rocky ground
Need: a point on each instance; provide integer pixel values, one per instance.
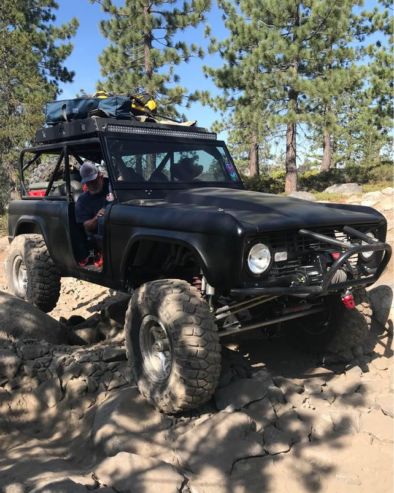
(71, 419)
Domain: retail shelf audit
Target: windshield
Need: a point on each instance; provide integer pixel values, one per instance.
(158, 162)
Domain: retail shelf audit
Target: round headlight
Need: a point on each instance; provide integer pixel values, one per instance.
(366, 256)
(259, 258)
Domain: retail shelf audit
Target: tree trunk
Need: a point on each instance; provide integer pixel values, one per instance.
(254, 155)
(291, 165)
(291, 132)
(326, 163)
(147, 43)
(334, 150)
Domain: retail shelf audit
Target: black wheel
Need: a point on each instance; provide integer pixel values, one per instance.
(31, 273)
(337, 328)
(173, 345)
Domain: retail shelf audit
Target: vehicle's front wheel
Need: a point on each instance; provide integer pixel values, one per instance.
(31, 272)
(173, 345)
(337, 328)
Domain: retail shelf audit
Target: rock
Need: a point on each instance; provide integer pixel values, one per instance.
(342, 386)
(298, 430)
(21, 320)
(372, 198)
(345, 356)
(50, 392)
(75, 320)
(381, 363)
(345, 189)
(287, 386)
(213, 446)
(117, 381)
(378, 425)
(114, 354)
(125, 422)
(296, 400)
(386, 403)
(130, 472)
(312, 387)
(382, 304)
(63, 486)
(76, 387)
(388, 191)
(76, 415)
(275, 395)
(239, 394)
(358, 352)
(276, 441)
(264, 377)
(88, 335)
(303, 196)
(34, 351)
(114, 314)
(261, 412)
(320, 423)
(346, 422)
(9, 364)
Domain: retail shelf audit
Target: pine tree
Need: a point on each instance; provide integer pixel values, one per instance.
(142, 55)
(278, 49)
(31, 67)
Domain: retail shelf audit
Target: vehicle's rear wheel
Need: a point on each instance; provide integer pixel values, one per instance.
(173, 345)
(31, 272)
(337, 328)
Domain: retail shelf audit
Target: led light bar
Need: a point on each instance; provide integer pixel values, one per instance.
(159, 131)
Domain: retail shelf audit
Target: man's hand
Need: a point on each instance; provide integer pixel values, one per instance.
(91, 224)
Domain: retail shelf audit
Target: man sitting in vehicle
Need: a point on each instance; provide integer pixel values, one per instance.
(90, 207)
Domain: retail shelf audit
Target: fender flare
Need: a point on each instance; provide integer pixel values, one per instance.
(163, 236)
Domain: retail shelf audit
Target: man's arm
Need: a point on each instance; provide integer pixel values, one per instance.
(91, 224)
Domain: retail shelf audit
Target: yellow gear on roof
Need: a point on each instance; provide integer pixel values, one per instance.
(100, 95)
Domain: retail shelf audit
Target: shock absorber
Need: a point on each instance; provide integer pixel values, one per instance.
(197, 282)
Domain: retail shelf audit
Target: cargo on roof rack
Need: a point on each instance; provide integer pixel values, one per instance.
(95, 126)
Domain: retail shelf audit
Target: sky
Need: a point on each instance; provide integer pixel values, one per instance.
(89, 43)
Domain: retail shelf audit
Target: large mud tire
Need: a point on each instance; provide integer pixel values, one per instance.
(193, 340)
(31, 272)
(43, 172)
(343, 328)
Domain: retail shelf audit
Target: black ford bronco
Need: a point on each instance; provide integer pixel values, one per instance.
(204, 258)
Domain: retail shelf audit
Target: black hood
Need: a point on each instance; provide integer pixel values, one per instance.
(267, 212)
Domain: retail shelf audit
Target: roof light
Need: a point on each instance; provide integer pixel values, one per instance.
(160, 131)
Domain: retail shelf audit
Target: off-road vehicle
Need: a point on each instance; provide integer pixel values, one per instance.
(204, 258)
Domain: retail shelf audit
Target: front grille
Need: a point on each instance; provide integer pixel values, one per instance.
(301, 249)
(292, 241)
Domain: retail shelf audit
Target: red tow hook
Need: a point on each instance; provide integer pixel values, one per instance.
(348, 300)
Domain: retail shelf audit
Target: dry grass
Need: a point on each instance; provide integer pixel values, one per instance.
(377, 186)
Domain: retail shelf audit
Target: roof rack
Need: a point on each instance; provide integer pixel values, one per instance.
(94, 126)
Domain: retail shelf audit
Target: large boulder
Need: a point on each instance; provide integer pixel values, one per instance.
(125, 422)
(21, 320)
(303, 196)
(345, 189)
(212, 447)
(132, 473)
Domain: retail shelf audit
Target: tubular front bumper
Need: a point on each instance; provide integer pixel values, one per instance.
(373, 245)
